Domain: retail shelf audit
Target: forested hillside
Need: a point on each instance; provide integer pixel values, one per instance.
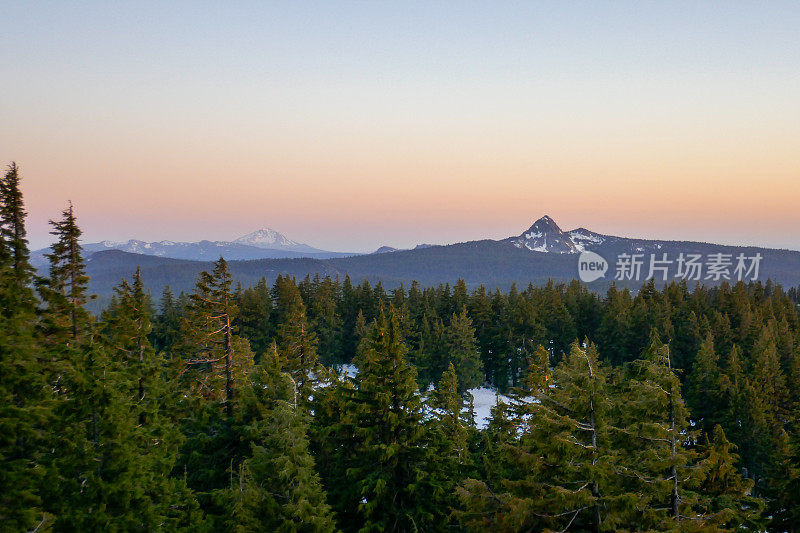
(222, 409)
(493, 264)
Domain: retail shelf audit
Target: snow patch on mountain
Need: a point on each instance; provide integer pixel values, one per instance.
(583, 238)
(386, 250)
(266, 238)
(546, 236)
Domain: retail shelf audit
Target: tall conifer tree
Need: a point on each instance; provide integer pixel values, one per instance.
(215, 359)
(25, 400)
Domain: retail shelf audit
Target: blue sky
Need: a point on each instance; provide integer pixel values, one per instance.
(352, 125)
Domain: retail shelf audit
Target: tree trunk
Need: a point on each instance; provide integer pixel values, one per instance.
(228, 355)
(675, 499)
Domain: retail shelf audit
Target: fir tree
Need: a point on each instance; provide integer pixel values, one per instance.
(278, 488)
(167, 323)
(389, 467)
(451, 431)
(657, 462)
(298, 350)
(726, 500)
(322, 311)
(463, 352)
(703, 386)
(135, 427)
(65, 292)
(783, 487)
(215, 359)
(14, 238)
(560, 472)
(255, 308)
(25, 400)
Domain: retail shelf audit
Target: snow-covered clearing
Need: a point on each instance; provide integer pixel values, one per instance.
(483, 398)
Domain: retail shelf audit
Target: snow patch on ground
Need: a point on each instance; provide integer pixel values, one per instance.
(349, 371)
(483, 400)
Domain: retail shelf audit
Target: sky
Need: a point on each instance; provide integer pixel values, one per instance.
(351, 125)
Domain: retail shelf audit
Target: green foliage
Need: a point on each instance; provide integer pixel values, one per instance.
(560, 466)
(25, 399)
(146, 420)
(726, 500)
(463, 353)
(298, 350)
(278, 488)
(65, 292)
(388, 464)
(167, 324)
(658, 459)
(253, 320)
(215, 360)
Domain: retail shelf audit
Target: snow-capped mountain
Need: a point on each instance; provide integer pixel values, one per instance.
(264, 243)
(546, 236)
(267, 238)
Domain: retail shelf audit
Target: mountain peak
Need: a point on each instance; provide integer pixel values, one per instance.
(545, 224)
(265, 238)
(545, 236)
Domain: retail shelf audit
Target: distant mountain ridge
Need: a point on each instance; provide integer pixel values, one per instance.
(264, 243)
(542, 252)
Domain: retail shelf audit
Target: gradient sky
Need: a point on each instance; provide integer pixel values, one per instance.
(352, 125)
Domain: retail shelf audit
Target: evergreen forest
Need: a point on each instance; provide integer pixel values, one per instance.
(326, 404)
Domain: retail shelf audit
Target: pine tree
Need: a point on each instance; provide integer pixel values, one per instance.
(14, 238)
(783, 488)
(463, 351)
(323, 313)
(255, 308)
(25, 400)
(136, 427)
(754, 421)
(86, 410)
(286, 297)
(657, 460)
(65, 291)
(614, 331)
(731, 390)
(451, 431)
(560, 472)
(335, 448)
(167, 323)
(552, 312)
(430, 355)
(447, 404)
(278, 488)
(215, 359)
(703, 386)
(98, 475)
(389, 466)
(298, 350)
(725, 495)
